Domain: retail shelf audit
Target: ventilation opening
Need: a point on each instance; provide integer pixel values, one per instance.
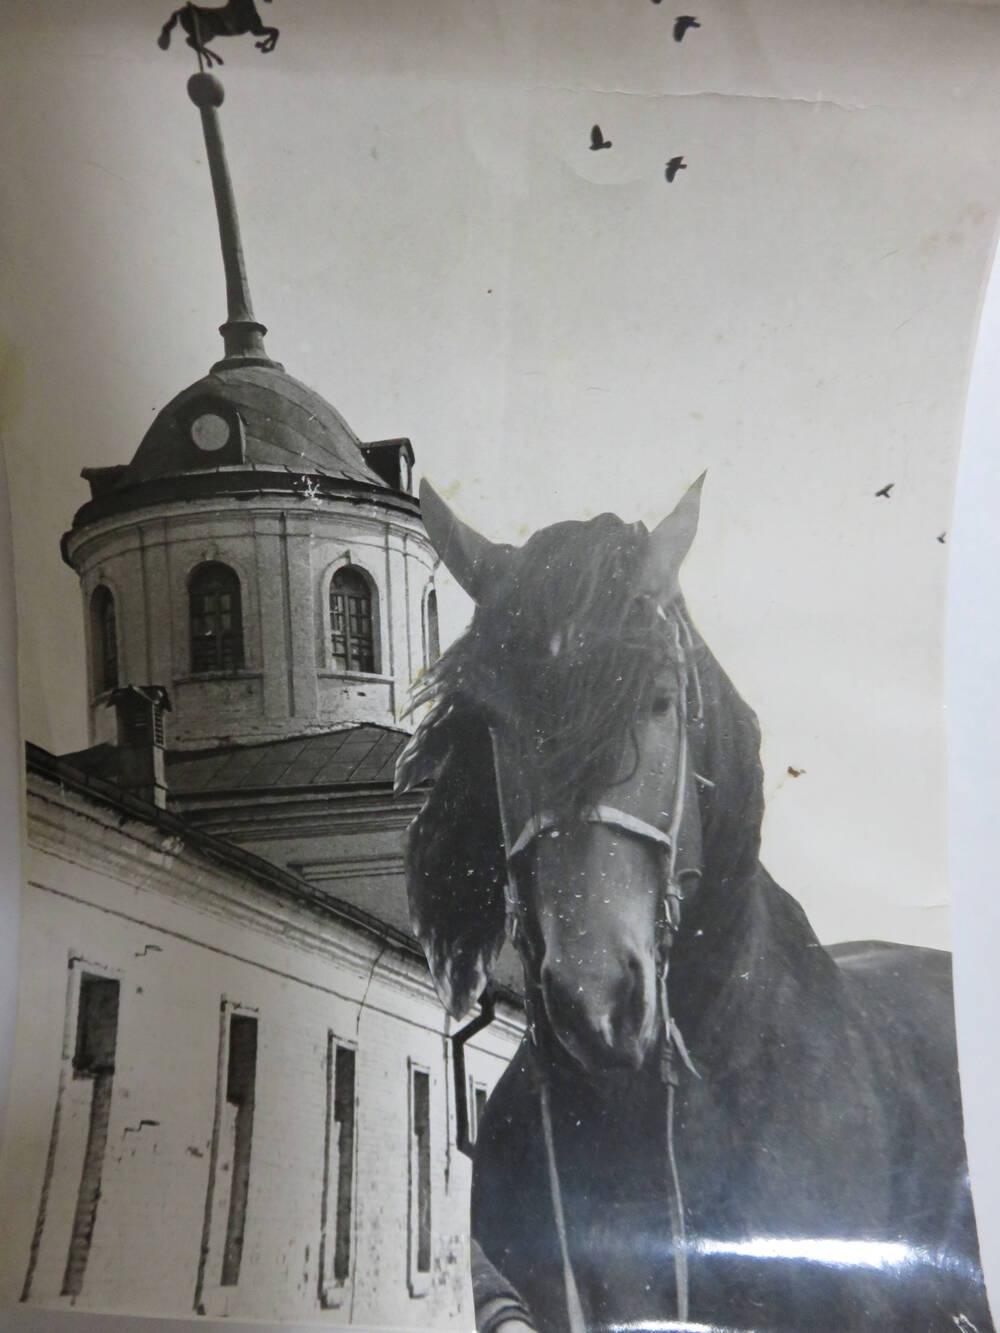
(136, 723)
(241, 1080)
(93, 1058)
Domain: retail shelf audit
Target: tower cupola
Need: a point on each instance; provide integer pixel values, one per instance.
(254, 555)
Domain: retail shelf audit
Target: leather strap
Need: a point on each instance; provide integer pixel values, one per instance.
(600, 814)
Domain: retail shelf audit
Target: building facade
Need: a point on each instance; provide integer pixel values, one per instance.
(233, 1089)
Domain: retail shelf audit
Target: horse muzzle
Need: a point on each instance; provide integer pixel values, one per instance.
(603, 1027)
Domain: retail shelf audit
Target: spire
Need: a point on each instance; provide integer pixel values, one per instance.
(242, 334)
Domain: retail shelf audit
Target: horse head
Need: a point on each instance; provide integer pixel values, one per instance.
(561, 731)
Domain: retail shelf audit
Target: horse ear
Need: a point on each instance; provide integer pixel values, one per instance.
(471, 559)
(669, 543)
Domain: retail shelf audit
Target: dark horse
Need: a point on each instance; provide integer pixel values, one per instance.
(713, 1122)
(231, 20)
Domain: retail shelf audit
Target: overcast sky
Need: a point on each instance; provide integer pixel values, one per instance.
(436, 250)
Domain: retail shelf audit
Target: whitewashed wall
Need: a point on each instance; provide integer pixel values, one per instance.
(183, 936)
(285, 553)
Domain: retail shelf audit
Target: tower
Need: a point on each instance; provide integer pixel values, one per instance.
(254, 558)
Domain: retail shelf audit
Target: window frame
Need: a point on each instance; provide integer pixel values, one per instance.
(330, 655)
(209, 1291)
(431, 626)
(99, 639)
(418, 1277)
(333, 1288)
(236, 633)
(244, 1099)
(476, 1087)
(79, 968)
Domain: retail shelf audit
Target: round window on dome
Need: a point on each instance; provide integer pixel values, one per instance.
(210, 431)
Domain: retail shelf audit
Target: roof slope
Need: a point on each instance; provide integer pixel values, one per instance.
(286, 425)
(87, 773)
(353, 756)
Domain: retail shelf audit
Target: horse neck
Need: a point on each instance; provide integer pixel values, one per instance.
(745, 962)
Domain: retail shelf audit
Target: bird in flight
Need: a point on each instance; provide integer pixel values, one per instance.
(597, 140)
(941, 537)
(681, 24)
(883, 494)
(673, 166)
(795, 772)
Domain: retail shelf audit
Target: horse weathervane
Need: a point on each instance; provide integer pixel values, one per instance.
(202, 23)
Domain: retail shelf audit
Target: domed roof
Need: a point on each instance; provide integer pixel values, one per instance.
(255, 415)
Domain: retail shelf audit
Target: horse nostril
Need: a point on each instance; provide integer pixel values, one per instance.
(610, 1022)
(630, 1007)
(634, 971)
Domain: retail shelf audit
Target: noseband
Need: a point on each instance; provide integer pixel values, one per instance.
(664, 843)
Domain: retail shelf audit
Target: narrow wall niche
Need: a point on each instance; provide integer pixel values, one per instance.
(419, 1210)
(337, 1215)
(241, 1082)
(94, 1059)
(227, 1192)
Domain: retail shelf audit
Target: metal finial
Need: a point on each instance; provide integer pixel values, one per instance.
(242, 333)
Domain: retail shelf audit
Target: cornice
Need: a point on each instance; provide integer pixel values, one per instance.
(241, 491)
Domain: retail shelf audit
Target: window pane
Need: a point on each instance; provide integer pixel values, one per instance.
(216, 620)
(351, 628)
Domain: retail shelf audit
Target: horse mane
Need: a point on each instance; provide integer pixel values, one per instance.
(456, 864)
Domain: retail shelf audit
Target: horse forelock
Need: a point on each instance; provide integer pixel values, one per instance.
(560, 652)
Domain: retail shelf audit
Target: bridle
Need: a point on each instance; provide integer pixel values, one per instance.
(664, 842)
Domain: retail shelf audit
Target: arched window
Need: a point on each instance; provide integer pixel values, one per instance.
(104, 636)
(352, 627)
(216, 618)
(432, 631)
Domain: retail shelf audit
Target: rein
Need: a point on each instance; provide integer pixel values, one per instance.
(672, 1043)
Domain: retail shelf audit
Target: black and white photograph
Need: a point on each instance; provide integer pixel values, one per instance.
(481, 479)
